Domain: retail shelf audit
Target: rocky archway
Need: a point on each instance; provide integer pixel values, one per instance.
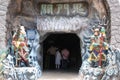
(30, 17)
(69, 41)
(113, 5)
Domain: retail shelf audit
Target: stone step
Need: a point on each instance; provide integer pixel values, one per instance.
(59, 75)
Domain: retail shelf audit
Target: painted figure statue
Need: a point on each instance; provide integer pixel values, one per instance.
(20, 46)
(98, 47)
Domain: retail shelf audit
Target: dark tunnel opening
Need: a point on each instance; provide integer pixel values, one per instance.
(62, 41)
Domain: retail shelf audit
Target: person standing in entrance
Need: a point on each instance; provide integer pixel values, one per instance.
(58, 59)
(65, 56)
(51, 52)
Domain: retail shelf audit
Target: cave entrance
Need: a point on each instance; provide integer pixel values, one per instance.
(65, 43)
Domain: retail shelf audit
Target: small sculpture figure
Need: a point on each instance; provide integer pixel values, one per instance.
(20, 46)
(103, 35)
(98, 47)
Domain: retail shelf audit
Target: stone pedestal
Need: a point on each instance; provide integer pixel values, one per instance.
(26, 73)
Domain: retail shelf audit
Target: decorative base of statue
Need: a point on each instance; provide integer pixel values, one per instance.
(97, 61)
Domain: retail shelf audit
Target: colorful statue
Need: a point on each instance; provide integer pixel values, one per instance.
(20, 46)
(98, 47)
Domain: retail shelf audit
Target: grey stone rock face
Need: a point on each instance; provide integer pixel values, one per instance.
(28, 9)
(3, 11)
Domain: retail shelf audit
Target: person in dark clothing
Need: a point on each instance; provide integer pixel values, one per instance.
(65, 60)
(51, 52)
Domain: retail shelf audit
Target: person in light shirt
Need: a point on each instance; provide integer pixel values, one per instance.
(58, 58)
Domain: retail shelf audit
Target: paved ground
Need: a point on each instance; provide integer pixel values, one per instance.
(59, 75)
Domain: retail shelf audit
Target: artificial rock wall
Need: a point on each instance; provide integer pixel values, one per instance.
(3, 11)
(115, 22)
(10, 18)
(114, 13)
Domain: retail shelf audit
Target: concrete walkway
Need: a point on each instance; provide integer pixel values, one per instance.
(59, 75)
